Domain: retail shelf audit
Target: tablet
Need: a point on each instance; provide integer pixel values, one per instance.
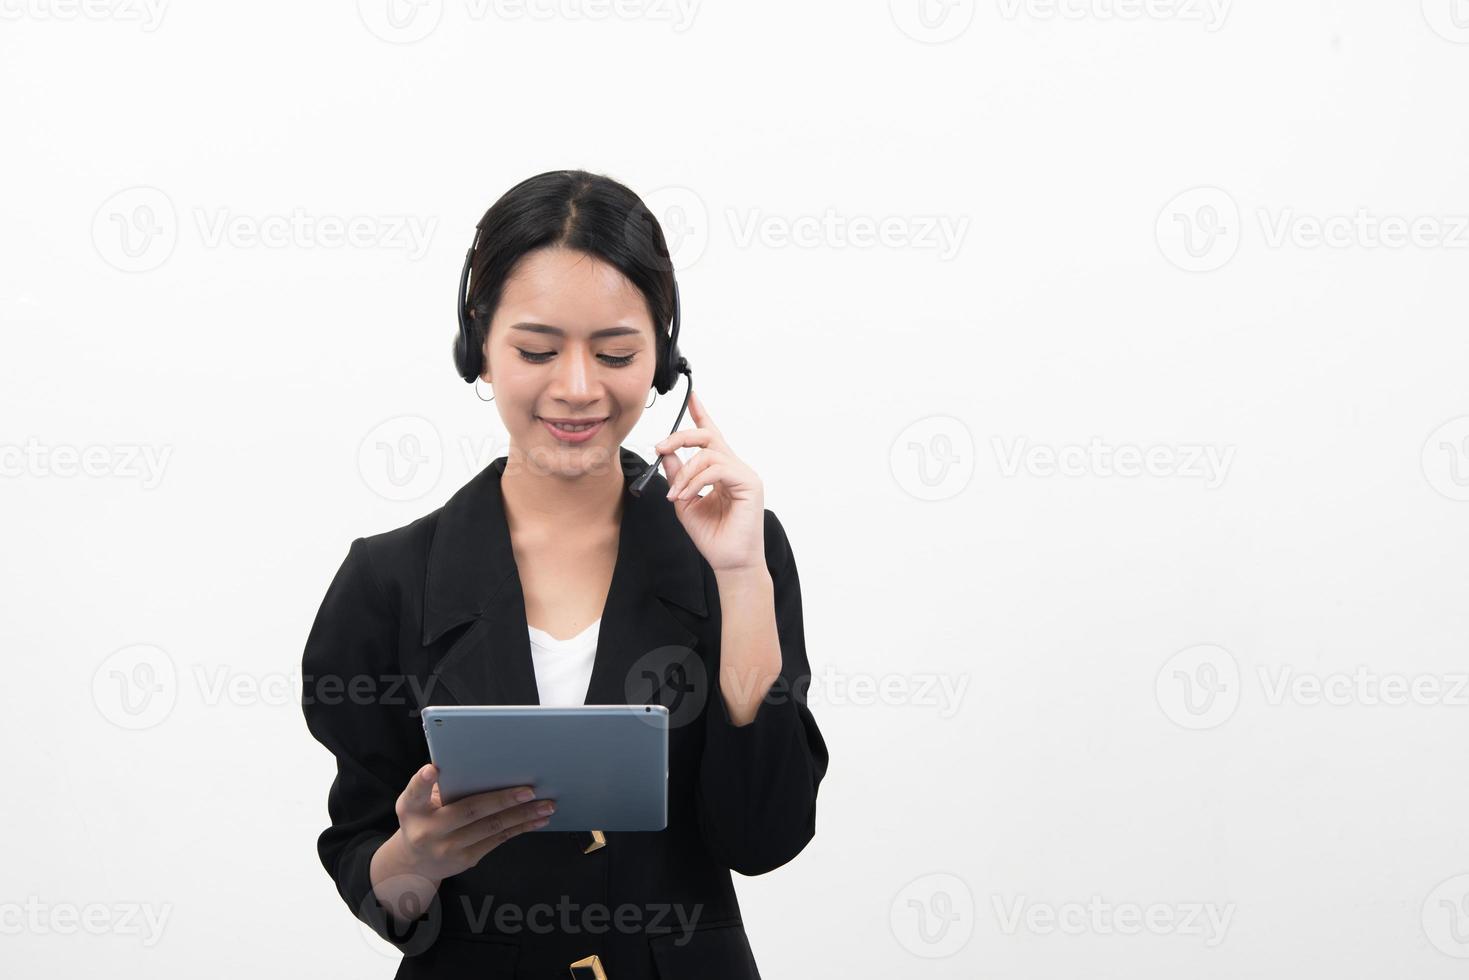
(605, 765)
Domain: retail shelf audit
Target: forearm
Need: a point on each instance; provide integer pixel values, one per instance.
(749, 659)
(406, 892)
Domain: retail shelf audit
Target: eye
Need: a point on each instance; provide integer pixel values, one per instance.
(541, 357)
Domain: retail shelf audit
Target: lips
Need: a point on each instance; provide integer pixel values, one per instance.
(578, 432)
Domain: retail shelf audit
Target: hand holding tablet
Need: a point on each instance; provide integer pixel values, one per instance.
(439, 840)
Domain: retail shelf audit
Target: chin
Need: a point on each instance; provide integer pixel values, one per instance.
(545, 455)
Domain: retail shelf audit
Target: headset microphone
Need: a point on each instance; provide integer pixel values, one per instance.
(469, 362)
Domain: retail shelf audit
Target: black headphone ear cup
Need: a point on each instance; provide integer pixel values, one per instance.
(670, 368)
(660, 377)
(469, 365)
(667, 374)
(467, 362)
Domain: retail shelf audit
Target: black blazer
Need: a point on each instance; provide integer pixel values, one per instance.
(433, 613)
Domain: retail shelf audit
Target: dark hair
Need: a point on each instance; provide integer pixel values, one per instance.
(577, 210)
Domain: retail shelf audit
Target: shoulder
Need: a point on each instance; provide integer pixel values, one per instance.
(394, 563)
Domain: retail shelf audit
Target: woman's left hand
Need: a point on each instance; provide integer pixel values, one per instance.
(727, 524)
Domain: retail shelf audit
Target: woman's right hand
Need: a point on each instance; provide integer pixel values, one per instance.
(440, 840)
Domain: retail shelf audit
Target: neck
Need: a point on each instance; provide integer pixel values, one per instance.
(535, 498)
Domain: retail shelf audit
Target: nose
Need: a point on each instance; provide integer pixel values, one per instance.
(575, 380)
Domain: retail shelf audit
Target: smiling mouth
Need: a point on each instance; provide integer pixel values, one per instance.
(573, 427)
(573, 433)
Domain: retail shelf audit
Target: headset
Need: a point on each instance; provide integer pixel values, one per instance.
(469, 361)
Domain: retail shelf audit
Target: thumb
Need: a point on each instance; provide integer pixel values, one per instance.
(421, 787)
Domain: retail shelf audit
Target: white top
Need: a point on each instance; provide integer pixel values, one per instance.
(564, 667)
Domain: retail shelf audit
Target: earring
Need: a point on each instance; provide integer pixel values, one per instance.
(655, 398)
(482, 397)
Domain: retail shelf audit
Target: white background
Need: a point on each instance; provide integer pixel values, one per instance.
(1116, 644)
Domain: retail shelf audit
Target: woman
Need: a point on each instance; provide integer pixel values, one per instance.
(544, 580)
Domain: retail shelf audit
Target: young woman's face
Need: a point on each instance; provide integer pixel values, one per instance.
(570, 339)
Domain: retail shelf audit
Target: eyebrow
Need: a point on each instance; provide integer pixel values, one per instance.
(557, 331)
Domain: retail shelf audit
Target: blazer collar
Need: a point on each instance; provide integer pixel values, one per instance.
(471, 557)
(472, 577)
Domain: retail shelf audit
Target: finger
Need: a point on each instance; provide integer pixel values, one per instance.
(477, 852)
(460, 813)
(672, 466)
(684, 437)
(710, 476)
(701, 461)
(495, 823)
(696, 410)
(418, 794)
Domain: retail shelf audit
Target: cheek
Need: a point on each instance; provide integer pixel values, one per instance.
(514, 371)
(628, 391)
(639, 381)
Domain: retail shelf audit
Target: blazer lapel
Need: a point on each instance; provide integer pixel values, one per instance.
(472, 578)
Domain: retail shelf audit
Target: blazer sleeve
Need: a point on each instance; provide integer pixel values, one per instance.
(758, 782)
(357, 703)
